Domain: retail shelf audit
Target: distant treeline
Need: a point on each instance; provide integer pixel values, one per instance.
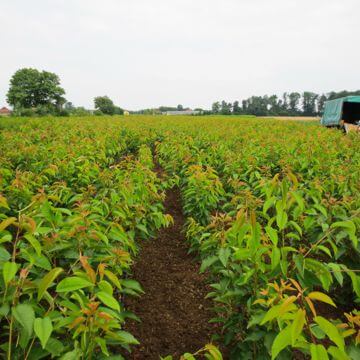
(290, 104)
(39, 93)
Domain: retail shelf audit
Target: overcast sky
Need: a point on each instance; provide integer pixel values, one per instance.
(146, 53)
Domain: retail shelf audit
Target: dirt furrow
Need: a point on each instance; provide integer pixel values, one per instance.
(174, 312)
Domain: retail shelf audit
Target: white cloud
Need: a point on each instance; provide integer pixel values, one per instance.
(146, 53)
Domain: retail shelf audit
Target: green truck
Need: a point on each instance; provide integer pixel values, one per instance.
(343, 113)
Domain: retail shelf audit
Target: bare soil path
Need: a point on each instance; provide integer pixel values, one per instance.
(173, 310)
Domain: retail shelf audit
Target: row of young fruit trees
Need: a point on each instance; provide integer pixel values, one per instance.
(272, 212)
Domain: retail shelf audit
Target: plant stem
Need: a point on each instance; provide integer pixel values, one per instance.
(10, 338)
(30, 347)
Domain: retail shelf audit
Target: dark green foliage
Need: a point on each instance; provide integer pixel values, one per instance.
(290, 104)
(33, 89)
(105, 105)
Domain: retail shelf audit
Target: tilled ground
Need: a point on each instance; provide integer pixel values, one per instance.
(174, 312)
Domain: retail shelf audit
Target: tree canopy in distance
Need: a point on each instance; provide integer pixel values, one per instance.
(106, 106)
(30, 88)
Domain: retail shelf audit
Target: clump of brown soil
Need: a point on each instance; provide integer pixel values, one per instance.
(173, 311)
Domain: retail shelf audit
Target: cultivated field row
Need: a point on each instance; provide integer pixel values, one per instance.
(271, 211)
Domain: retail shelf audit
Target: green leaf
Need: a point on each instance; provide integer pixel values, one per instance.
(102, 343)
(245, 277)
(349, 227)
(126, 338)
(318, 352)
(282, 340)
(54, 347)
(242, 254)
(324, 249)
(47, 212)
(316, 295)
(355, 279)
(273, 235)
(281, 219)
(113, 278)
(277, 311)
(4, 310)
(25, 315)
(214, 352)
(268, 203)
(5, 238)
(34, 243)
(72, 355)
(284, 263)
(108, 300)
(102, 236)
(105, 286)
(321, 209)
(299, 199)
(299, 263)
(297, 326)
(336, 272)
(317, 332)
(224, 254)
(4, 255)
(296, 226)
(275, 257)
(43, 329)
(271, 314)
(7, 222)
(188, 356)
(132, 284)
(337, 353)
(47, 280)
(72, 284)
(331, 331)
(142, 228)
(354, 352)
(207, 262)
(9, 271)
(321, 272)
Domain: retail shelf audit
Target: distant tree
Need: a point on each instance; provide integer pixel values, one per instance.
(274, 106)
(180, 107)
(118, 110)
(236, 109)
(289, 104)
(257, 105)
(225, 108)
(321, 103)
(285, 104)
(309, 103)
(105, 105)
(294, 101)
(215, 107)
(80, 111)
(335, 95)
(245, 105)
(31, 88)
(69, 106)
(166, 108)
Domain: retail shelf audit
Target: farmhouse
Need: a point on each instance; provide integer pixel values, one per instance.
(4, 111)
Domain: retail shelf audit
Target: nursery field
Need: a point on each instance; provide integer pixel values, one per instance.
(227, 237)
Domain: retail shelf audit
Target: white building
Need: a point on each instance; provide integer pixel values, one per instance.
(181, 112)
